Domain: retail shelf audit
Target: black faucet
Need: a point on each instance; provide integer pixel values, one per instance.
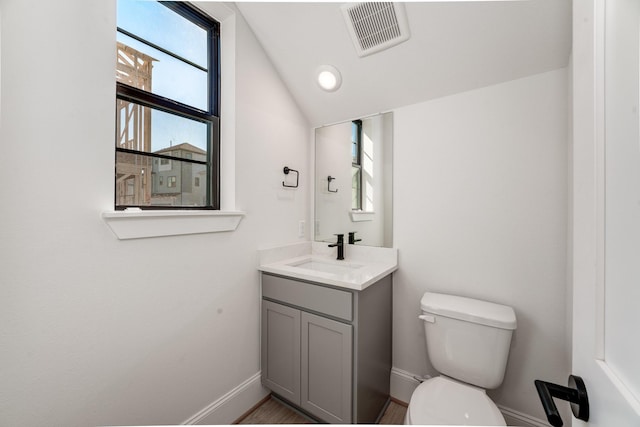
(340, 245)
(352, 237)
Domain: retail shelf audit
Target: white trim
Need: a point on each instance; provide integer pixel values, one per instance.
(142, 224)
(620, 385)
(232, 405)
(403, 384)
(359, 216)
(600, 174)
(227, 18)
(217, 10)
(516, 418)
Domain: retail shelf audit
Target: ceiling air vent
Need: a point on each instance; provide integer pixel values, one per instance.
(376, 26)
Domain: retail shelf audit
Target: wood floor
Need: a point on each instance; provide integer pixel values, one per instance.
(272, 411)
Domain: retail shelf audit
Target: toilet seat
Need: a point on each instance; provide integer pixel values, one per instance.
(444, 401)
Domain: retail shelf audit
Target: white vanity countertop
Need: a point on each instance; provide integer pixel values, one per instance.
(314, 261)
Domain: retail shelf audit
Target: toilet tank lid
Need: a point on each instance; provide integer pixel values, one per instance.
(470, 310)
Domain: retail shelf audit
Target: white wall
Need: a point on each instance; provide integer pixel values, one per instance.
(376, 139)
(332, 154)
(480, 210)
(97, 331)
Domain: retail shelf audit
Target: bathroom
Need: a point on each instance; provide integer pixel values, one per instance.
(488, 202)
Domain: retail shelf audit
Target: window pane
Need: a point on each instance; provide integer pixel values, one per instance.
(163, 149)
(154, 131)
(356, 188)
(163, 27)
(355, 143)
(144, 181)
(143, 67)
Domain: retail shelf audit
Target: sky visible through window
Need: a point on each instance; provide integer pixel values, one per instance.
(171, 78)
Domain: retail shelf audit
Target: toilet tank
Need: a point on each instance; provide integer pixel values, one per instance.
(468, 339)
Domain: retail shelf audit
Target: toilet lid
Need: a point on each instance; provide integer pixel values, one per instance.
(444, 401)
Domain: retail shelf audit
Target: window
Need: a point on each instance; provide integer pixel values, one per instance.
(167, 98)
(356, 165)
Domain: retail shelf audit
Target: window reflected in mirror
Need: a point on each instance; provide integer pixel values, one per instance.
(357, 154)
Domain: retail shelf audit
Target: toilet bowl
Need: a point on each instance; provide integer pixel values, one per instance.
(444, 401)
(468, 342)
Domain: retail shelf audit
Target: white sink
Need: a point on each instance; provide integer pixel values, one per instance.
(317, 263)
(326, 267)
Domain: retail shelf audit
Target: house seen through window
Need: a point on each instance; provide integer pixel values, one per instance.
(167, 97)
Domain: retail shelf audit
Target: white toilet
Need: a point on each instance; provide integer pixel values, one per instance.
(468, 343)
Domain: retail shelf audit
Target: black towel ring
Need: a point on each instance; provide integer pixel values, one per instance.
(286, 171)
(330, 178)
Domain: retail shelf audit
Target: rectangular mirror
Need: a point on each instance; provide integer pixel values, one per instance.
(353, 180)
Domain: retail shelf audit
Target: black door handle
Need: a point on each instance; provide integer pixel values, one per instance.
(575, 393)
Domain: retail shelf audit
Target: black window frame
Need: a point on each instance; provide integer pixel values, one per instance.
(211, 116)
(358, 163)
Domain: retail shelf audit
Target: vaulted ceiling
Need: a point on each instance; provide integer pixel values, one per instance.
(454, 47)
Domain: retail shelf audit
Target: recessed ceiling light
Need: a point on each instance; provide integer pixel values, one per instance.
(329, 78)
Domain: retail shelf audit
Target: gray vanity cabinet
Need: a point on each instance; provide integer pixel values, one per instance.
(281, 350)
(327, 350)
(326, 368)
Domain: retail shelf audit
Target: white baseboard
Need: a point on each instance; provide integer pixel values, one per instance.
(516, 418)
(232, 405)
(236, 402)
(403, 384)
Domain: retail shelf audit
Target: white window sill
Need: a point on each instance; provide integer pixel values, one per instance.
(359, 216)
(143, 224)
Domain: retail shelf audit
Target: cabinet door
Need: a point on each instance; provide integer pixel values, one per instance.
(281, 350)
(326, 368)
